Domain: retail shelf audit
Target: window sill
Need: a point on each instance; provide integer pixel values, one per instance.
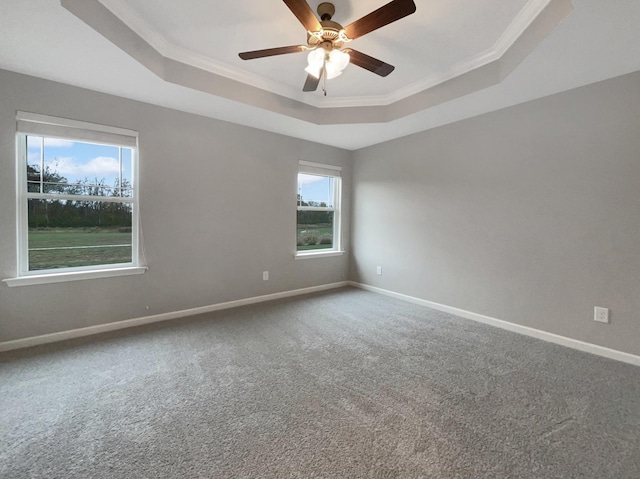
(317, 254)
(73, 276)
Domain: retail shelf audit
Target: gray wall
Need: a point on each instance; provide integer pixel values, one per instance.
(530, 214)
(217, 208)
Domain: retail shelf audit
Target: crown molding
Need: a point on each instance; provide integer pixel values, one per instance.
(135, 22)
(516, 28)
(158, 42)
(534, 23)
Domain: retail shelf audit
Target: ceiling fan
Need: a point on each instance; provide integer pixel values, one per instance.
(326, 39)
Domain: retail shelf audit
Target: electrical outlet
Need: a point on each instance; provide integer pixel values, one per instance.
(265, 276)
(379, 270)
(601, 315)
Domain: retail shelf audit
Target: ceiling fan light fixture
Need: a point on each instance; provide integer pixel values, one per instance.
(316, 58)
(332, 71)
(339, 58)
(316, 62)
(315, 72)
(333, 62)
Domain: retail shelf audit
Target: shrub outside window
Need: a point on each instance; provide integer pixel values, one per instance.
(78, 196)
(318, 208)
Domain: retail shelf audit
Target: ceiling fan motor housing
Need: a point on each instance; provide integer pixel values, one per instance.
(330, 37)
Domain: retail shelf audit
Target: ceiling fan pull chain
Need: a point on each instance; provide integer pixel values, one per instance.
(324, 81)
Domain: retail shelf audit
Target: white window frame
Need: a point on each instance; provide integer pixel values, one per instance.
(320, 169)
(31, 124)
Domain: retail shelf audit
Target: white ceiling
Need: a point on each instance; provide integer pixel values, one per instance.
(443, 42)
(201, 30)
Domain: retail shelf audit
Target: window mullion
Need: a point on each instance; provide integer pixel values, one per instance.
(41, 160)
(120, 171)
(58, 196)
(23, 206)
(315, 208)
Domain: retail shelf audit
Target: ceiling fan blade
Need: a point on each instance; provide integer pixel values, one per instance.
(269, 52)
(311, 84)
(369, 63)
(303, 12)
(384, 15)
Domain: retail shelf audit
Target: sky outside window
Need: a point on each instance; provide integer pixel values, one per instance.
(316, 189)
(80, 162)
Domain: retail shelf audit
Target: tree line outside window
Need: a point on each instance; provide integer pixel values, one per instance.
(73, 213)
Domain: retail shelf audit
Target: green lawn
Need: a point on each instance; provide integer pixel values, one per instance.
(70, 247)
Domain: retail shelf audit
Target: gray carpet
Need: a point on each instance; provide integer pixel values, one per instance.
(344, 384)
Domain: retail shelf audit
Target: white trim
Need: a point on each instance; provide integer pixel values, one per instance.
(22, 222)
(130, 323)
(82, 125)
(337, 215)
(35, 124)
(29, 280)
(516, 328)
(64, 196)
(320, 165)
(326, 253)
(322, 169)
(316, 208)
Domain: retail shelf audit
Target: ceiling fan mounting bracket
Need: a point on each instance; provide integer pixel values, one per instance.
(326, 10)
(331, 31)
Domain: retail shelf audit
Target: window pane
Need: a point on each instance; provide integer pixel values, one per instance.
(315, 230)
(34, 156)
(315, 190)
(78, 168)
(64, 234)
(127, 170)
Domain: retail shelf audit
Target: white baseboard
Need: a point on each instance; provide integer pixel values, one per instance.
(516, 328)
(130, 323)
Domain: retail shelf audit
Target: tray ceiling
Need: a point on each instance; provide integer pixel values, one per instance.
(453, 58)
(442, 39)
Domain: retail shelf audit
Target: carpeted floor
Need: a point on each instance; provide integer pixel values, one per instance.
(343, 384)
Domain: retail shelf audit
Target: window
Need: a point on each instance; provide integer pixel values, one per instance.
(318, 222)
(78, 201)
